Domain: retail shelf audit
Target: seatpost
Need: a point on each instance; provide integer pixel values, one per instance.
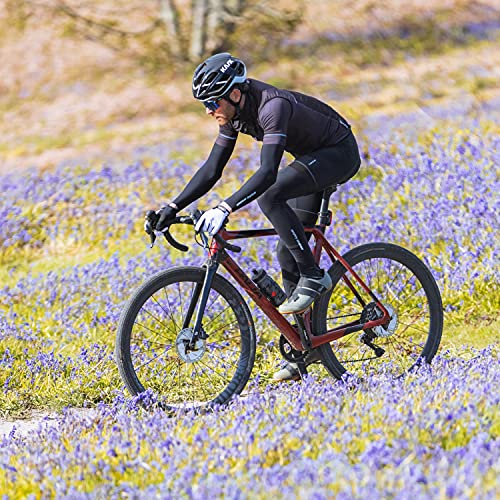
(325, 215)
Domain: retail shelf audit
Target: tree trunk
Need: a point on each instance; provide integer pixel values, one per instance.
(214, 19)
(198, 30)
(234, 6)
(170, 17)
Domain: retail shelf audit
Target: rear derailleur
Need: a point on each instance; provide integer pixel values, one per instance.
(371, 312)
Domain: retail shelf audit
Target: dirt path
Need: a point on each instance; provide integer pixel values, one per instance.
(40, 419)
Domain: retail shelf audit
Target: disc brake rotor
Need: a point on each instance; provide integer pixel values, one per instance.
(372, 312)
(389, 328)
(186, 353)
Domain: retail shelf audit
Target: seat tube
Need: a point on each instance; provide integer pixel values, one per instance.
(317, 250)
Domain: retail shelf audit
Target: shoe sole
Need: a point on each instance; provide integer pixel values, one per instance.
(293, 379)
(296, 312)
(302, 311)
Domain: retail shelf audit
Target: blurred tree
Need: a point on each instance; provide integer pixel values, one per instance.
(160, 31)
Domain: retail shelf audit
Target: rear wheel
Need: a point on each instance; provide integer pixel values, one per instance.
(153, 348)
(407, 290)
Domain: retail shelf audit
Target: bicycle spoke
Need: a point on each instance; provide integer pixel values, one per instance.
(142, 351)
(210, 306)
(214, 371)
(401, 267)
(212, 354)
(154, 317)
(226, 325)
(401, 364)
(223, 348)
(408, 326)
(402, 285)
(190, 386)
(358, 348)
(408, 342)
(407, 312)
(170, 309)
(374, 275)
(151, 340)
(231, 338)
(161, 344)
(411, 326)
(218, 315)
(362, 360)
(161, 307)
(336, 318)
(378, 274)
(149, 329)
(167, 373)
(201, 384)
(157, 370)
(180, 300)
(398, 294)
(151, 360)
(181, 366)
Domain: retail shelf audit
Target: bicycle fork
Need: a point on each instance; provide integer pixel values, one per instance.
(203, 291)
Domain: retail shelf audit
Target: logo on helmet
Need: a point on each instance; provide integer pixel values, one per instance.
(226, 65)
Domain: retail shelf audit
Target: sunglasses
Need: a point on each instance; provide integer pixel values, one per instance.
(212, 105)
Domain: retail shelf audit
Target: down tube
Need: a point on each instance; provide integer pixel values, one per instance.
(267, 308)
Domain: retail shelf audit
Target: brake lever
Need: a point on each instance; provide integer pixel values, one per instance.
(195, 216)
(150, 220)
(152, 237)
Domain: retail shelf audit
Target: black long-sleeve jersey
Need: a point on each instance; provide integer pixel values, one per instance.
(283, 120)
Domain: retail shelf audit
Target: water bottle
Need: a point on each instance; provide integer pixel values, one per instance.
(268, 287)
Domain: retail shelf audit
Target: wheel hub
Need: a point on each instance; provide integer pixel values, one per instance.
(187, 354)
(372, 312)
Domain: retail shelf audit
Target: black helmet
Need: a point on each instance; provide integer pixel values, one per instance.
(216, 76)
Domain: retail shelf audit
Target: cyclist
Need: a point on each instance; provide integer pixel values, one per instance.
(325, 152)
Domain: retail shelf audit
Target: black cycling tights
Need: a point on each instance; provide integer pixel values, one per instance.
(295, 199)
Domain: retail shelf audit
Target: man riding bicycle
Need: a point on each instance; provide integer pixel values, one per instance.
(325, 152)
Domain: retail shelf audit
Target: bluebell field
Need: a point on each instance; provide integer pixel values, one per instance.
(72, 251)
(435, 435)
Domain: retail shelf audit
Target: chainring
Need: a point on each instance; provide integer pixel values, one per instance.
(289, 353)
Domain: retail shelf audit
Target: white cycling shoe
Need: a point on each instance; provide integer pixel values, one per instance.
(291, 371)
(306, 292)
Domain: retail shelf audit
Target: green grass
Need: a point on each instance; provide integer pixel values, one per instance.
(413, 39)
(473, 325)
(461, 337)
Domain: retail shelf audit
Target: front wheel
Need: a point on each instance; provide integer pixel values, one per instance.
(407, 290)
(153, 348)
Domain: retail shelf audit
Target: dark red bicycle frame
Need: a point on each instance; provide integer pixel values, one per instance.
(289, 331)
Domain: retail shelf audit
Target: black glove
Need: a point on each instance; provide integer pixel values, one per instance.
(166, 216)
(150, 221)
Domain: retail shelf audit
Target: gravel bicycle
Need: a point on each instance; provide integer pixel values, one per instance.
(188, 335)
